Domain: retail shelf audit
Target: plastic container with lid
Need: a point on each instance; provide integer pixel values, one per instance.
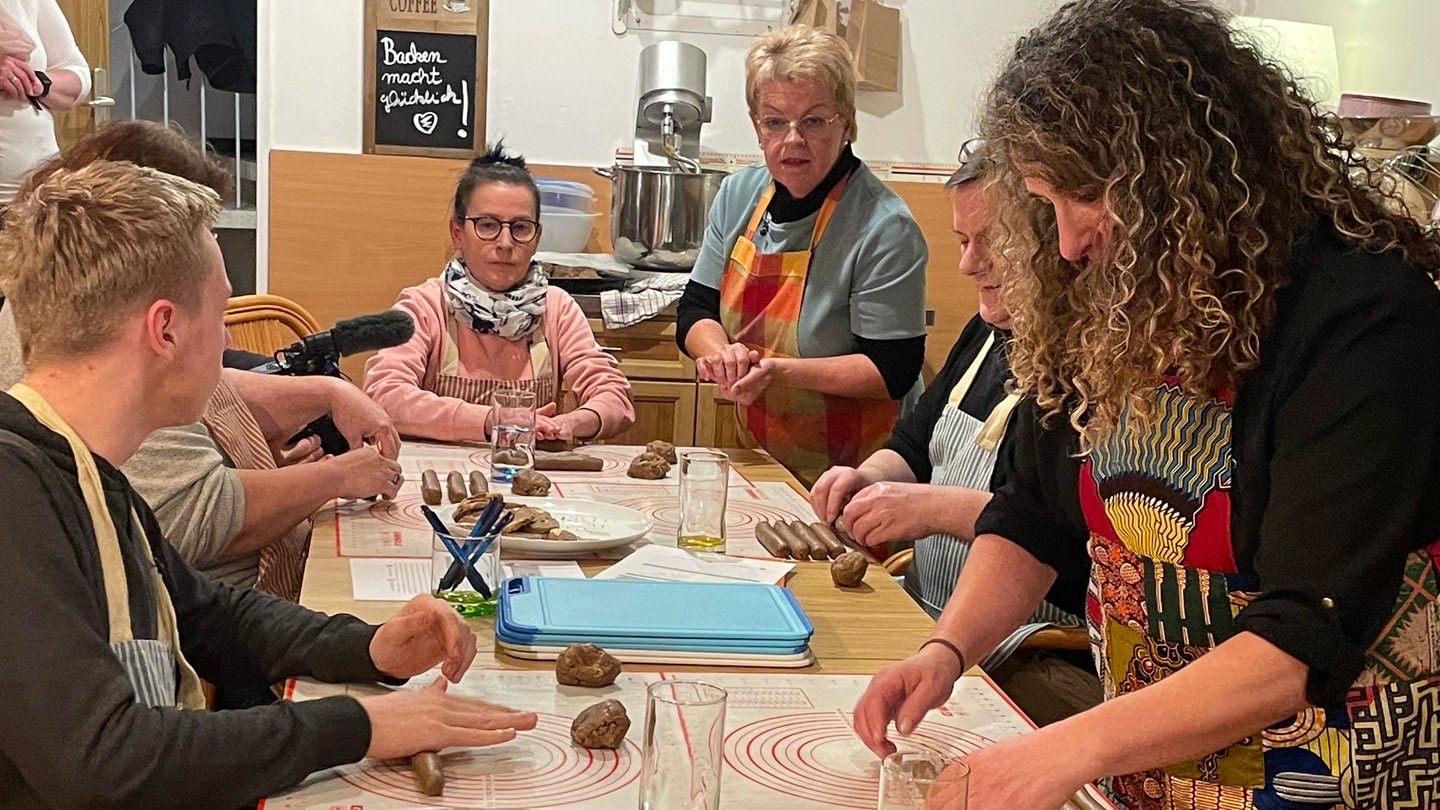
(564, 230)
(566, 194)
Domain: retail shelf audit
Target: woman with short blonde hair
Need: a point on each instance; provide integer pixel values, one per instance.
(806, 305)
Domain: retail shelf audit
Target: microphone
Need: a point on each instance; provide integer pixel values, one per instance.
(320, 353)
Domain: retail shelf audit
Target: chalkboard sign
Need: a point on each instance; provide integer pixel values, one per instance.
(425, 77)
(424, 90)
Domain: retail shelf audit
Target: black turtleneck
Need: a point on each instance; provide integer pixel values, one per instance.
(898, 361)
(784, 207)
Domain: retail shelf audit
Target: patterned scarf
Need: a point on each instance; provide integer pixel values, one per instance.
(512, 314)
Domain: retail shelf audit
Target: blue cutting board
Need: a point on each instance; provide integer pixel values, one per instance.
(722, 646)
(636, 609)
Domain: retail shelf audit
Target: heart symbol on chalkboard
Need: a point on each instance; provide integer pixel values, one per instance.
(426, 121)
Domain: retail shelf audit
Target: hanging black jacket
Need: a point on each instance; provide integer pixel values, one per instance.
(219, 34)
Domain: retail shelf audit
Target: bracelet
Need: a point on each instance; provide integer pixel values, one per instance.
(947, 645)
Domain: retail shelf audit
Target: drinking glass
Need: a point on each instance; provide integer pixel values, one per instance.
(923, 779)
(457, 590)
(512, 433)
(704, 486)
(683, 746)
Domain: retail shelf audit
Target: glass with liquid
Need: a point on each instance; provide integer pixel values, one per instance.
(512, 435)
(704, 487)
(921, 780)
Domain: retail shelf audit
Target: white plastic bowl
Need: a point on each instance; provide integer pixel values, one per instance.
(564, 194)
(565, 231)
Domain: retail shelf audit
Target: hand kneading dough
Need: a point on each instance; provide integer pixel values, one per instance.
(529, 482)
(586, 665)
(601, 726)
(649, 466)
(662, 448)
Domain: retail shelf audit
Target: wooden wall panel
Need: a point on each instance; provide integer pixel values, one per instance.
(347, 232)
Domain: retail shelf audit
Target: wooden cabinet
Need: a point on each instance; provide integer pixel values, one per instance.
(670, 403)
(715, 424)
(664, 409)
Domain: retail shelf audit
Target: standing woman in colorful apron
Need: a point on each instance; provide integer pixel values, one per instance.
(807, 303)
(491, 320)
(934, 475)
(1235, 351)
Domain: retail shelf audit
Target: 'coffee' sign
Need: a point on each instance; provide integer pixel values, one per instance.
(425, 76)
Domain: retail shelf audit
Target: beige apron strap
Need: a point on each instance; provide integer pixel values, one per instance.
(112, 563)
(962, 387)
(191, 695)
(999, 419)
(541, 367)
(449, 347)
(995, 424)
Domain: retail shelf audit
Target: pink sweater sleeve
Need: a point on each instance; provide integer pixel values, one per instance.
(593, 375)
(396, 378)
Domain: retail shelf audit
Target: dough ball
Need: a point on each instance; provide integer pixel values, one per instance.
(601, 726)
(586, 665)
(663, 449)
(849, 569)
(648, 465)
(529, 482)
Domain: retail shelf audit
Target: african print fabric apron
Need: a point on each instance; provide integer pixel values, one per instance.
(233, 426)
(1165, 588)
(962, 454)
(156, 667)
(449, 383)
(760, 296)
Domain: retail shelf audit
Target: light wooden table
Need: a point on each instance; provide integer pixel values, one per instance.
(857, 630)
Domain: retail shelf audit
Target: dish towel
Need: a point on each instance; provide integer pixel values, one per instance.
(641, 300)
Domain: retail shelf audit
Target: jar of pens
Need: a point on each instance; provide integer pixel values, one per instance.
(465, 560)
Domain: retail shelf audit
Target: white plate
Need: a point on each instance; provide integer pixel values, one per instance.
(598, 525)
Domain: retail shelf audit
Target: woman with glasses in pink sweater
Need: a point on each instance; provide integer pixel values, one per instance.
(490, 320)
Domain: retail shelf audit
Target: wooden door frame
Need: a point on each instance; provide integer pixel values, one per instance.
(90, 22)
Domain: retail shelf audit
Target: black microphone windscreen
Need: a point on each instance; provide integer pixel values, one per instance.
(364, 333)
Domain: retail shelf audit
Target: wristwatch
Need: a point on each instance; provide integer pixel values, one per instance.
(44, 89)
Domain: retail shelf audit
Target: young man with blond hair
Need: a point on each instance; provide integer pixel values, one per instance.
(119, 292)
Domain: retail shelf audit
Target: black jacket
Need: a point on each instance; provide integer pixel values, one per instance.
(71, 731)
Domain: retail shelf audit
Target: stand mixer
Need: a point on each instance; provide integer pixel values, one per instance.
(660, 204)
(670, 105)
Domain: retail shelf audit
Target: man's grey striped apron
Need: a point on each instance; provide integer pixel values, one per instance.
(962, 454)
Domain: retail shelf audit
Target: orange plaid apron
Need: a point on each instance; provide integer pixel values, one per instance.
(760, 295)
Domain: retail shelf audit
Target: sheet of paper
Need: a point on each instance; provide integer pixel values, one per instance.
(561, 569)
(679, 565)
(388, 580)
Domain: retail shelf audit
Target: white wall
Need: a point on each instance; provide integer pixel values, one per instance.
(562, 85)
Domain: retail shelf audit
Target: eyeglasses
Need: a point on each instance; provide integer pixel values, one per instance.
(970, 149)
(774, 127)
(973, 163)
(488, 228)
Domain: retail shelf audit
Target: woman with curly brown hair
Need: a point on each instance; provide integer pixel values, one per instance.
(1234, 351)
